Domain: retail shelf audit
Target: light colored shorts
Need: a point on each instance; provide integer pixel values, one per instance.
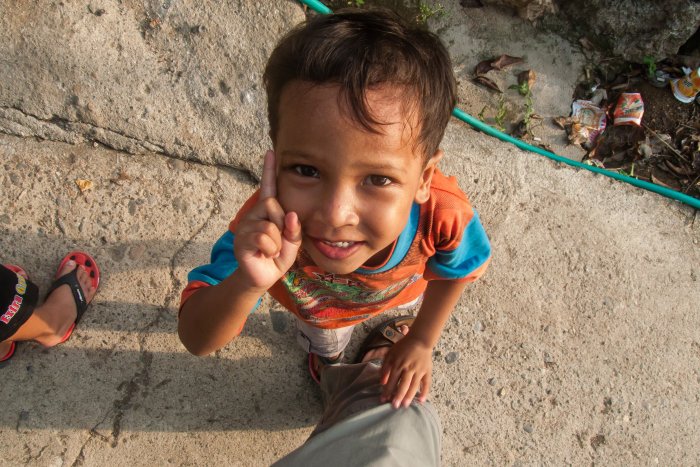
(323, 342)
(330, 342)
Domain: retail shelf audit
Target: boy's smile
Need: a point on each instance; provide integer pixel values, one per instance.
(352, 189)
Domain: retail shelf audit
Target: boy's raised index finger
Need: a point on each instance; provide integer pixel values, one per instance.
(268, 184)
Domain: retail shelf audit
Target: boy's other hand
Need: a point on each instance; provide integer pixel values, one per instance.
(407, 369)
(267, 239)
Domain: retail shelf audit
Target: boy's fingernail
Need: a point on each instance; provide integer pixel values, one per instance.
(70, 263)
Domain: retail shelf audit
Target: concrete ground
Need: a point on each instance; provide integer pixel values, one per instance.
(581, 344)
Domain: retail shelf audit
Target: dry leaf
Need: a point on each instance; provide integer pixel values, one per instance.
(84, 185)
(663, 178)
(487, 82)
(527, 76)
(483, 67)
(504, 61)
(677, 170)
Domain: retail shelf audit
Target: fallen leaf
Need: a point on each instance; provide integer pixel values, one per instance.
(84, 185)
(483, 67)
(677, 170)
(663, 178)
(487, 82)
(527, 76)
(504, 61)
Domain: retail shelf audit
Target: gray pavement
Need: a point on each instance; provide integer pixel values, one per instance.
(580, 345)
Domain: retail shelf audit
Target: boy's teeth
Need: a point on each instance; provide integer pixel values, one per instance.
(338, 244)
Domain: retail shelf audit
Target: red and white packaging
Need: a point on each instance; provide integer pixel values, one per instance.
(629, 109)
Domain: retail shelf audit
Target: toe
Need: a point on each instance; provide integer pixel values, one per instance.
(85, 282)
(68, 267)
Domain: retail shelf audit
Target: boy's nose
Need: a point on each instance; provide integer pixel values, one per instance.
(339, 208)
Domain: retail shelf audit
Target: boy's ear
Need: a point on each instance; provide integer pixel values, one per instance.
(423, 192)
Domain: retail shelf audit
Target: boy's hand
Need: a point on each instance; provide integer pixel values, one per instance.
(267, 239)
(407, 368)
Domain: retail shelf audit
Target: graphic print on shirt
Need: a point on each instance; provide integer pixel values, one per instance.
(314, 294)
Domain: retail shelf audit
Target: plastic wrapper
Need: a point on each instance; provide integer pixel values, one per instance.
(685, 89)
(629, 109)
(589, 121)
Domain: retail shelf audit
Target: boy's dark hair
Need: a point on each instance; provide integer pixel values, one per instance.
(361, 50)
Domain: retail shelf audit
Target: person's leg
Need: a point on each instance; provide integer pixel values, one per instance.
(357, 429)
(18, 298)
(50, 321)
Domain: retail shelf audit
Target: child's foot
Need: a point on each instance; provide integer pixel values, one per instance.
(379, 353)
(316, 363)
(59, 311)
(384, 336)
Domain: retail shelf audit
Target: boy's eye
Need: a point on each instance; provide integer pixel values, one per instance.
(306, 171)
(378, 180)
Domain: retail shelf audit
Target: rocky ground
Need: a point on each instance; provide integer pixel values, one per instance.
(580, 345)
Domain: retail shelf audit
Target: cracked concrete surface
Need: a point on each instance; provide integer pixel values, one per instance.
(580, 345)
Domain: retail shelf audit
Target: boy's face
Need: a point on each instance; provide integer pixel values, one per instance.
(352, 189)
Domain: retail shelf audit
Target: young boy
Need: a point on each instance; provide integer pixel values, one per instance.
(353, 217)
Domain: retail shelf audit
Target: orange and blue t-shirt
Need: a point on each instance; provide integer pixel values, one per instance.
(443, 240)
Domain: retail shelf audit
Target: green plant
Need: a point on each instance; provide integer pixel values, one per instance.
(524, 90)
(624, 172)
(501, 114)
(529, 110)
(651, 65)
(480, 115)
(425, 11)
(356, 3)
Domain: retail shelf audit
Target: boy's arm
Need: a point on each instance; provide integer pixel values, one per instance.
(214, 315)
(266, 245)
(408, 365)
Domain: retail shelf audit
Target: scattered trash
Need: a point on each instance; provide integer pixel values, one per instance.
(599, 96)
(629, 109)
(686, 88)
(587, 122)
(660, 79)
(664, 146)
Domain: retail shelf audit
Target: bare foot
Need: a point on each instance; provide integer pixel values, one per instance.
(59, 310)
(380, 352)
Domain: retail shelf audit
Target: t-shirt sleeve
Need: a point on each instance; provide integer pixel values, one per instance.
(459, 248)
(222, 261)
(461, 254)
